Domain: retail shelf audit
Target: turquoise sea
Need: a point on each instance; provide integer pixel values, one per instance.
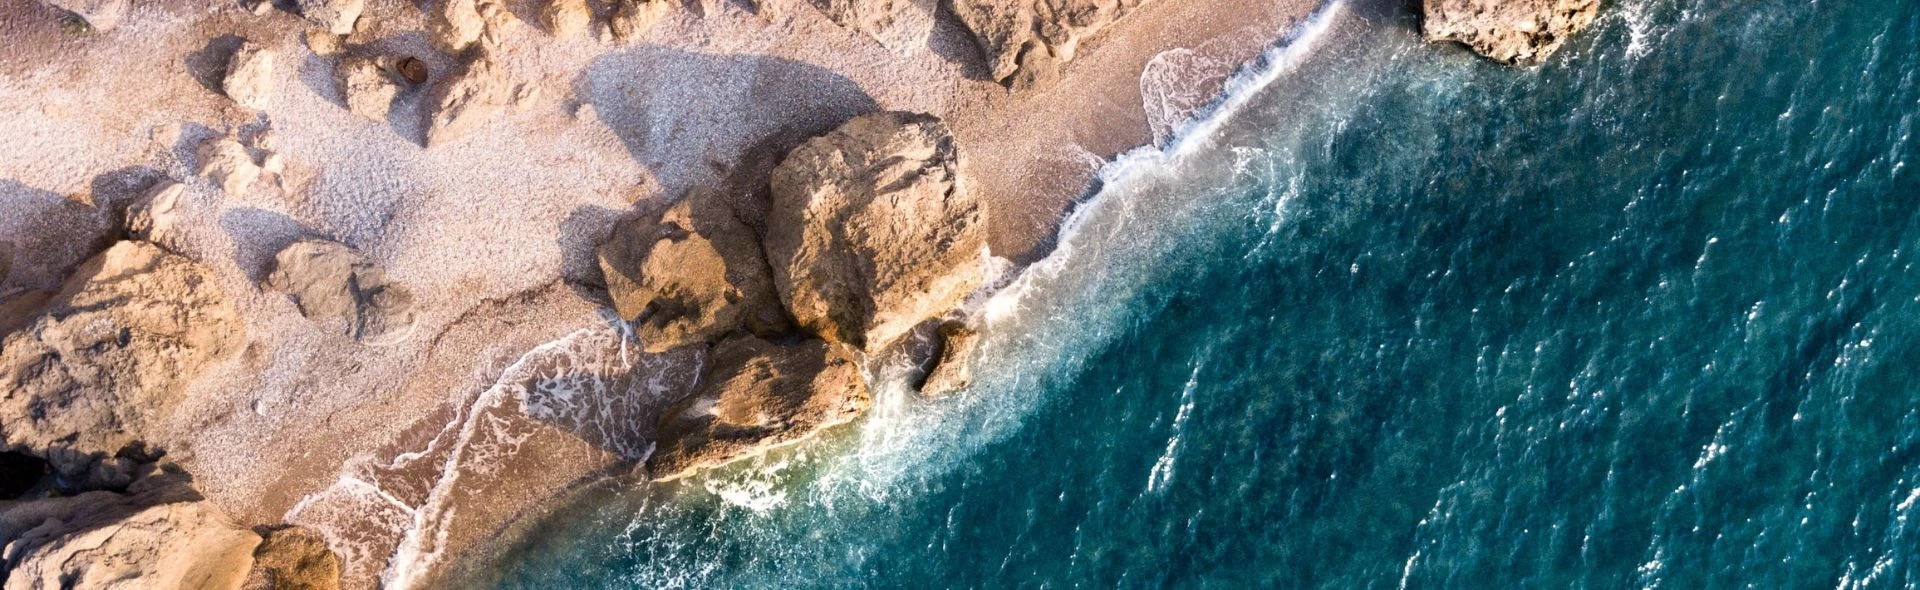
(1394, 316)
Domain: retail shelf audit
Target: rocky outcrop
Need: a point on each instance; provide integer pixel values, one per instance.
(755, 395)
(101, 15)
(1026, 41)
(342, 291)
(567, 19)
(249, 78)
(868, 234)
(369, 88)
(293, 558)
(691, 275)
(336, 16)
(468, 100)
(899, 25)
(632, 18)
(1513, 32)
(167, 546)
(228, 163)
(91, 381)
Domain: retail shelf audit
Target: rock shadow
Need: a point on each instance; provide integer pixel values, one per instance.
(581, 233)
(208, 66)
(696, 118)
(51, 234)
(257, 235)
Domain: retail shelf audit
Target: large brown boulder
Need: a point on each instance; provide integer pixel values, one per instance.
(1513, 32)
(868, 234)
(181, 545)
(100, 371)
(1026, 41)
(691, 275)
(342, 291)
(754, 395)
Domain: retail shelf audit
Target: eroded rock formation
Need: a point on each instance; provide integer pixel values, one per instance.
(1026, 41)
(754, 395)
(1513, 32)
(88, 384)
(900, 25)
(692, 275)
(868, 233)
(293, 558)
(464, 102)
(342, 291)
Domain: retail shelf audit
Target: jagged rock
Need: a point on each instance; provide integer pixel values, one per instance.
(166, 546)
(691, 275)
(900, 25)
(293, 558)
(567, 19)
(155, 216)
(952, 369)
(95, 375)
(101, 15)
(342, 291)
(868, 234)
(369, 88)
(249, 78)
(755, 395)
(632, 18)
(228, 163)
(459, 24)
(336, 16)
(1026, 41)
(467, 101)
(1513, 32)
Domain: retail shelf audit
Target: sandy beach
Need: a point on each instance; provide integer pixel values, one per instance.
(494, 233)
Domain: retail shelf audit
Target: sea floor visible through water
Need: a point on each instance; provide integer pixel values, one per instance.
(1396, 316)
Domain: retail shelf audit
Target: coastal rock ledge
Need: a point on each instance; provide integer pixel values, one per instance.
(1512, 32)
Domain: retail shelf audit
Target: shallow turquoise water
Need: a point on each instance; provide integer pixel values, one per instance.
(1646, 316)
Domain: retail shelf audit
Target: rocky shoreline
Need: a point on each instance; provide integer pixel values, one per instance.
(303, 320)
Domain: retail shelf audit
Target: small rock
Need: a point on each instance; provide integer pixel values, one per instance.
(368, 88)
(336, 16)
(261, 7)
(953, 370)
(249, 78)
(100, 15)
(412, 70)
(632, 18)
(467, 101)
(343, 292)
(155, 216)
(323, 42)
(294, 558)
(227, 163)
(567, 19)
(459, 24)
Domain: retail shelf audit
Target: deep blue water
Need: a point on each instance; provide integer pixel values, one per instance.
(1645, 316)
